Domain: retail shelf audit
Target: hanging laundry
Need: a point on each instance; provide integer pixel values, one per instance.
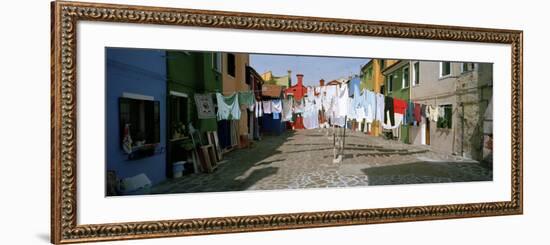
(398, 119)
(287, 109)
(433, 113)
(276, 115)
(423, 111)
(417, 113)
(389, 111)
(258, 109)
(246, 98)
(343, 101)
(299, 106)
(228, 107)
(369, 105)
(276, 106)
(379, 111)
(318, 103)
(357, 102)
(266, 106)
(310, 115)
(399, 106)
(409, 115)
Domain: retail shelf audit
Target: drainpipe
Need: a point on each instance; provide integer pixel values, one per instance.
(462, 131)
(411, 67)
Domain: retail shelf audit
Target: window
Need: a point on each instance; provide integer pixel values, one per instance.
(389, 81)
(382, 65)
(416, 73)
(217, 62)
(405, 77)
(231, 64)
(444, 69)
(466, 67)
(445, 119)
(140, 121)
(178, 115)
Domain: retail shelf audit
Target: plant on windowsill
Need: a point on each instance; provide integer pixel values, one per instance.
(179, 131)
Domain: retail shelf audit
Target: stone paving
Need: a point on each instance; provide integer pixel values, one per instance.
(304, 159)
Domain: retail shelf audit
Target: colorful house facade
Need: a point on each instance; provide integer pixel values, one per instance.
(397, 85)
(372, 77)
(234, 80)
(136, 79)
(463, 91)
(188, 73)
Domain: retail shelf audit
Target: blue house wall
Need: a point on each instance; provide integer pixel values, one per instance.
(140, 72)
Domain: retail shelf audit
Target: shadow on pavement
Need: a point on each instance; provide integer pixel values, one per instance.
(428, 172)
(235, 173)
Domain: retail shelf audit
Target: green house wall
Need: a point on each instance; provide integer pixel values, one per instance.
(190, 73)
(399, 92)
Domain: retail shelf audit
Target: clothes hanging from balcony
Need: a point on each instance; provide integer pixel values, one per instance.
(228, 107)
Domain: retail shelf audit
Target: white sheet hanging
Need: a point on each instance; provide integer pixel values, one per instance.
(343, 101)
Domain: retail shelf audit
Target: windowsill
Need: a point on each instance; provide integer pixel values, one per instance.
(447, 76)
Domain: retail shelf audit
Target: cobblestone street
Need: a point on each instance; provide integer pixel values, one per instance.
(304, 159)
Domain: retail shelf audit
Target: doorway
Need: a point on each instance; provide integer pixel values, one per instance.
(177, 111)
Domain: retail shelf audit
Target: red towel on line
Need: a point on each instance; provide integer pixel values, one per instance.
(399, 106)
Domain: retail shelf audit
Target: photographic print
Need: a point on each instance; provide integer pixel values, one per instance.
(159, 129)
(183, 121)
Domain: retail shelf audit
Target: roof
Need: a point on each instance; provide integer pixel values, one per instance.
(394, 66)
(271, 90)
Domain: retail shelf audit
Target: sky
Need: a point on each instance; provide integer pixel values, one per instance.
(314, 68)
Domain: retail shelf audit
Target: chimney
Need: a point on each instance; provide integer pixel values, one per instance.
(322, 82)
(300, 77)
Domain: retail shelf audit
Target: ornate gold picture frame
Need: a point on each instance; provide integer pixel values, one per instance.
(64, 41)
